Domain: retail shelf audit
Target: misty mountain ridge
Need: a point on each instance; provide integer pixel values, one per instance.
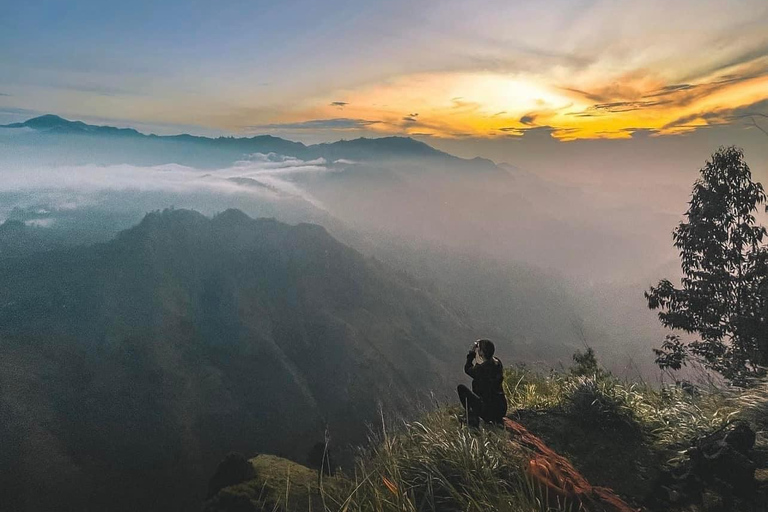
(19, 239)
(383, 148)
(186, 337)
(51, 123)
(404, 211)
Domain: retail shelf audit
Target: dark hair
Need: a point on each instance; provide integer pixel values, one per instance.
(487, 348)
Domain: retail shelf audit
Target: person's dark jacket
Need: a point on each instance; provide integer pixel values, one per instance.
(487, 379)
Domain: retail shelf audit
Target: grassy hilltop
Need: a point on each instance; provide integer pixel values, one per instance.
(630, 437)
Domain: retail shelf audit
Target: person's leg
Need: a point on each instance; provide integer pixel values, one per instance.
(495, 411)
(471, 403)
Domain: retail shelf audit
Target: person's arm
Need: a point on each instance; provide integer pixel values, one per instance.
(498, 376)
(469, 367)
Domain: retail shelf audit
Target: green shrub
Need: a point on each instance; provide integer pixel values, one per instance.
(668, 415)
(585, 364)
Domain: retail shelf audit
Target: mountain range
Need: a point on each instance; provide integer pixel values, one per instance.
(52, 131)
(164, 341)
(129, 369)
(508, 246)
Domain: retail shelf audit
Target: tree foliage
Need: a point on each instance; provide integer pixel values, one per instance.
(723, 297)
(585, 363)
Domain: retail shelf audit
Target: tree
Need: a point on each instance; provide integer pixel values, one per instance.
(723, 298)
(585, 364)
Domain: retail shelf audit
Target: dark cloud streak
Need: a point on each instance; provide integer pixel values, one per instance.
(338, 123)
(411, 118)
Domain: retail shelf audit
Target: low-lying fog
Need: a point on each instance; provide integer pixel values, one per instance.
(549, 261)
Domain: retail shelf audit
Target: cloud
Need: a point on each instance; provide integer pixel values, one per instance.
(4, 94)
(722, 117)
(264, 176)
(759, 109)
(707, 118)
(41, 223)
(98, 89)
(586, 94)
(339, 123)
(593, 105)
(626, 106)
(682, 95)
(460, 104)
(671, 89)
(339, 104)
(19, 111)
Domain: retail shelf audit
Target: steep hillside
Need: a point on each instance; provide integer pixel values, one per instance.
(187, 337)
(18, 239)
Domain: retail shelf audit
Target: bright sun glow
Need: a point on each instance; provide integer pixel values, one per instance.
(498, 105)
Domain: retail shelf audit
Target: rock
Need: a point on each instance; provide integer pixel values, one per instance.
(741, 437)
(718, 475)
(233, 470)
(277, 484)
(723, 459)
(712, 502)
(560, 480)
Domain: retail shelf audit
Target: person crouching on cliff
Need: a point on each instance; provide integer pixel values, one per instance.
(486, 399)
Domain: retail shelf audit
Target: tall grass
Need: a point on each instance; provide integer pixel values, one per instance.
(437, 464)
(668, 416)
(752, 405)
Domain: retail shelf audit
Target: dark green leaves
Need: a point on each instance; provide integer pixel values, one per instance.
(723, 261)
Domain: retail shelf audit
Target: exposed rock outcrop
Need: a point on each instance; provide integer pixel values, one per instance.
(561, 482)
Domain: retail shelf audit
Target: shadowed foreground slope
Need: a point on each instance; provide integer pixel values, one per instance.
(572, 443)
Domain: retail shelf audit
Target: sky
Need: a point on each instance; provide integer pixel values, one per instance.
(475, 78)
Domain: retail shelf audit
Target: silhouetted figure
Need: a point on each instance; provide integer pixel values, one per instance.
(486, 400)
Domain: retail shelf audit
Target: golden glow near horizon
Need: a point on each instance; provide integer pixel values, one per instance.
(481, 104)
(451, 69)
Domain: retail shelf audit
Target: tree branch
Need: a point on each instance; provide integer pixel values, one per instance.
(754, 123)
(751, 116)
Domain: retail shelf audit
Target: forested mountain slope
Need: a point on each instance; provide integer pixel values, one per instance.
(130, 368)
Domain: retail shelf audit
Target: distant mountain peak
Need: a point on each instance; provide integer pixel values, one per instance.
(57, 124)
(172, 221)
(167, 219)
(232, 216)
(12, 225)
(394, 143)
(43, 122)
(47, 120)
